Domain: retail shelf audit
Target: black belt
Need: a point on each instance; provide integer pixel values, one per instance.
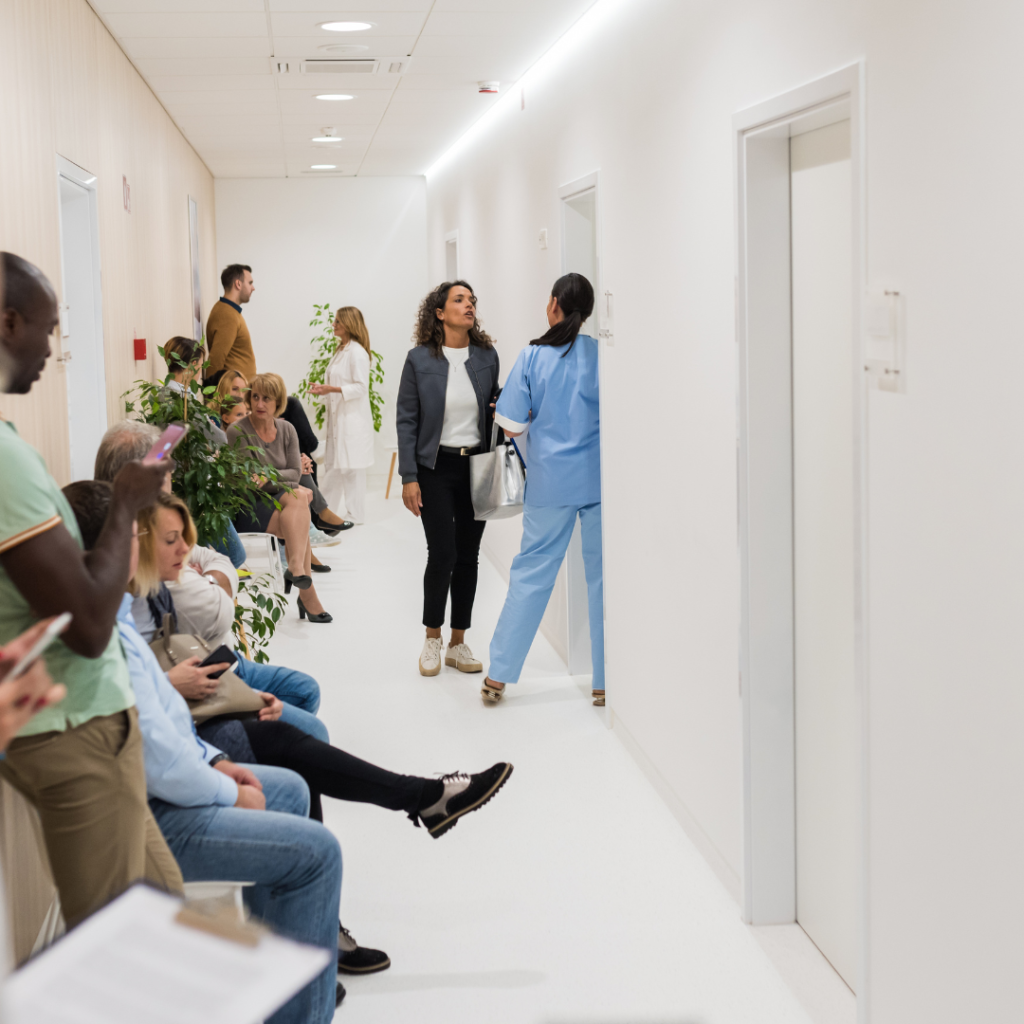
(460, 451)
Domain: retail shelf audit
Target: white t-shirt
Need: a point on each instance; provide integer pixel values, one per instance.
(461, 427)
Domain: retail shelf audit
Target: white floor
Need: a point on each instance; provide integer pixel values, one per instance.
(574, 896)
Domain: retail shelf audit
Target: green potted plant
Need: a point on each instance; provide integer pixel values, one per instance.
(215, 481)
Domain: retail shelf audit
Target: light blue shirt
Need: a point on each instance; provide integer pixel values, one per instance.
(177, 768)
(558, 399)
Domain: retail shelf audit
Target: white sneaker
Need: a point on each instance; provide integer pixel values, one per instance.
(430, 656)
(461, 657)
(319, 539)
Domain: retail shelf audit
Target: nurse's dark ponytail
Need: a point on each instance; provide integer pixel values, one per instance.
(575, 297)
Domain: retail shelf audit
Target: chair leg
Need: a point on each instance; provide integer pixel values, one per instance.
(387, 493)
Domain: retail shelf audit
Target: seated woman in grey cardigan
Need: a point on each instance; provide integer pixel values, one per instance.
(277, 444)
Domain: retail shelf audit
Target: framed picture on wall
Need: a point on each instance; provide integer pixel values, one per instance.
(193, 242)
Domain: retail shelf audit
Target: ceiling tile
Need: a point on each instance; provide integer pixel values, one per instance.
(197, 24)
(211, 83)
(347, 7)
(176, 6)
(353, 85)
(215, 46)
(153, 67)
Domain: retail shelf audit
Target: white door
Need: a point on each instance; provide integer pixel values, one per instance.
(82, 320)
(579, 240)
(823, 537)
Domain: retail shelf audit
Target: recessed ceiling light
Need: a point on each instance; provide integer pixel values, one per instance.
(334, 96)
(345, 26)
(326, 138)
(323, 167)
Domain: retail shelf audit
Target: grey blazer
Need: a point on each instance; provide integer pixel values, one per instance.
(419, 415)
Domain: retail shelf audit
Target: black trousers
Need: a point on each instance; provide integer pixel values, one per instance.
(453, 541)
(331, 772)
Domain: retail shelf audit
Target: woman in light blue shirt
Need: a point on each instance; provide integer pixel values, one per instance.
(553, 390)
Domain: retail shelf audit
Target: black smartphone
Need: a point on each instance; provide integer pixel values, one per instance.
(223, 655)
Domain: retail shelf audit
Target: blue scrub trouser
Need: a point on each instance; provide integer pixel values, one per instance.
(546, 535)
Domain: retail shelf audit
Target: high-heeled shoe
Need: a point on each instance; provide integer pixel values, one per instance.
(331, 529)
(320, 568)
(290, 580)
(313, 616)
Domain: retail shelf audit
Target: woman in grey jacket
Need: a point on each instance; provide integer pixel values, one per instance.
(445, 411)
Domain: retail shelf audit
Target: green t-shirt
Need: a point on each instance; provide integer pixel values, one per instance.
(30, 504)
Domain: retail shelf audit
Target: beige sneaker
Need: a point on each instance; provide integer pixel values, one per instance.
(461, 657)
(430, 656)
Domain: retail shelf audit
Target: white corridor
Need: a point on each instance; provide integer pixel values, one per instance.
(574, 897)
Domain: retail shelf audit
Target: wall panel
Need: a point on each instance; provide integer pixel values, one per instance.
(67, 88)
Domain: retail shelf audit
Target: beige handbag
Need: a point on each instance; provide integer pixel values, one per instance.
(234, 697)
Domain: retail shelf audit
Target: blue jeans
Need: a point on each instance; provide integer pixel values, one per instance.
(295, 863)
(546, 535)
(299, 692)
(232, 546)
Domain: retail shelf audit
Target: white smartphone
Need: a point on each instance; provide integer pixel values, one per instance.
(165, 444)
(52, 631)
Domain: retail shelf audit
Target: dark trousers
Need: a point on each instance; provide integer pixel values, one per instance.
(331, 772)
(453, 541)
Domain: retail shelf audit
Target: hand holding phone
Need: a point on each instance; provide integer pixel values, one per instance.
(165, 444)
(50, 633)
(222, 656)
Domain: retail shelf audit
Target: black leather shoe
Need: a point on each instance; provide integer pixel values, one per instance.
(313, 617)
(356, 959)
(320, 568)
(302, 582)
(339, 995)
(461, 794)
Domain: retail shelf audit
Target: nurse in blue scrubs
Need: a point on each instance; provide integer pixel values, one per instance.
(553, 390)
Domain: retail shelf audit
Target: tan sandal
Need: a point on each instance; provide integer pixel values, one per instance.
(491, 694)
(598, 696)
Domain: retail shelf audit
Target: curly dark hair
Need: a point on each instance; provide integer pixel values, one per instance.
(430, 331)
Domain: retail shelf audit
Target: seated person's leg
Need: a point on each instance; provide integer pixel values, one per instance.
(293, 687)
(232, 546)
(284, 791)
(296, 865)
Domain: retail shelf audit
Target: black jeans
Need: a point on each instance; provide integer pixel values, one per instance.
(330, 771)
(453, 541)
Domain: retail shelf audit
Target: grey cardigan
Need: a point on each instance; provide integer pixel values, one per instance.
(419, 415)
(283, 454)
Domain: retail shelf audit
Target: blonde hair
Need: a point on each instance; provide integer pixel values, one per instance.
(146, 580)
(352, 320)
(223, 392)
(270, 385)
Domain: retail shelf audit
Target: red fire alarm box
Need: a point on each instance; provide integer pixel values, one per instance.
(140, 349)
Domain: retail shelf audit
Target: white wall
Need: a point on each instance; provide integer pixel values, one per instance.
(646, 95)
(346, 241)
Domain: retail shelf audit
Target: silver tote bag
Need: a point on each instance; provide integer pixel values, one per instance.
(497, 480)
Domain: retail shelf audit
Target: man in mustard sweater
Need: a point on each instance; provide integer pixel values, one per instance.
(227, 335)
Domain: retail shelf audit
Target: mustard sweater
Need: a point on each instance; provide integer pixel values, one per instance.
(228, 342)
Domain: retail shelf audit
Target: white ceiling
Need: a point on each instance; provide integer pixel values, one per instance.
(213, 65)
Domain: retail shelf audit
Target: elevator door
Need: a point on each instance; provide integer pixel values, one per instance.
(823, 539)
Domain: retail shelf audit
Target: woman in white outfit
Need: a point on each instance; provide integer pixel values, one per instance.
(349, 446)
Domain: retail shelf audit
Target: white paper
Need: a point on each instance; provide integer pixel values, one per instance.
(132, 963)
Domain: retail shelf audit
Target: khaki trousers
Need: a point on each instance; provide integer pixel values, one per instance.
(89, 786)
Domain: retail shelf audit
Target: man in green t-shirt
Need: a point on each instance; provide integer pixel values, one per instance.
(79, 762)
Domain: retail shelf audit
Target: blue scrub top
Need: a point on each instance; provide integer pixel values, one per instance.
(558, 398)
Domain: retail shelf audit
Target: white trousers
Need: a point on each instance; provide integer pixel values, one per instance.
(345, 491)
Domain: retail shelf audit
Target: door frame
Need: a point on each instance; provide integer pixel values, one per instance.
(577, 585)
(765, 488)
(568, 190)
(87, 180)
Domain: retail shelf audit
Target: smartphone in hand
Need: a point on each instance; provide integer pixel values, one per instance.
(165, 444)
(222, 656)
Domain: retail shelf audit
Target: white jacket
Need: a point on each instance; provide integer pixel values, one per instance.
(349, 420)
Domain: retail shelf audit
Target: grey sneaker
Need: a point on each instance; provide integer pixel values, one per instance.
(319, 539)
(462, 794)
